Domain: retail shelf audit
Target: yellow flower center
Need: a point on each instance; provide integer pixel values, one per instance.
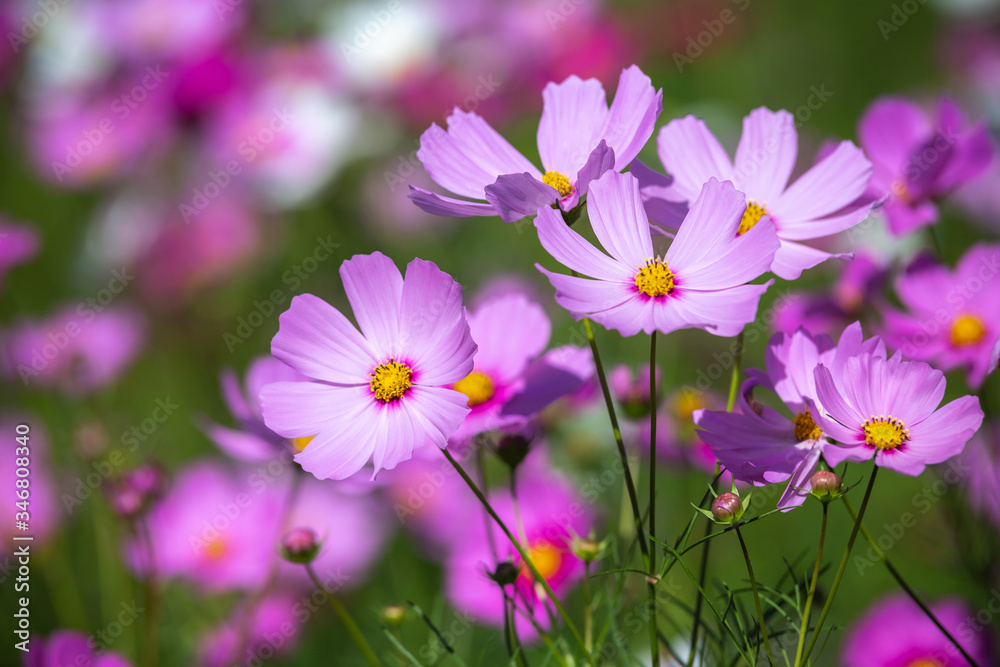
(751, 216)
(685, 404)
(805, 427)
(477, 386)
(967, 330)
(885, 432)
(389, 381)
(654, 278)
(216, 548)
(298, 444)
(925, 662)
(559, 182)
(546, 558)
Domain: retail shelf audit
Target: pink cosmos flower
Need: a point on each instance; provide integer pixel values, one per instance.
(552, 515)
(18, 244)
(269, 628)
(70, 647)
(214, 528)
(699, 283)
(954, 316)
(512, 381)
(895, 632)
(381, 393)
(827, 199)
(887, 408)
(759, 444)
(579, 138)
(916, 160)
(631, 390)
(253, 441)
(78, 350)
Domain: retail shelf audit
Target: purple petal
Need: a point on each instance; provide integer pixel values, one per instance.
(240, 445)
(766, 154)
(374, 288)
(315, 339)
(469, 156)
(573, 251)
(573, 113)
(798, 485)
(729, 310)
(710, 225)
(743, 259)
(890, 129)
(560, 372)
(692, 155)
(435, 204)
(619, 220)
(433, 325)
(601, 160)
(582, 295)
(904, 218)
(663, 203)
(840, 420)
(632, 116)
(515, 196)
(304, 409)
(439, 412)
(944, 433)
(232, 394)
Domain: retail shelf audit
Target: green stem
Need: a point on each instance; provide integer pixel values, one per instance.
(734, 381)
(345, 617)
(520, 550)
(812, 589)
(151, 591)
(654, 643)
(756, 596)
(588, 610)
(906, 587)
(843, 567)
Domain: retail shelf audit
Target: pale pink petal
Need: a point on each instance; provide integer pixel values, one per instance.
(582, 295)
(510, 331)
(315, 339)
(374, 288)
(573, 113)
(515, 196)
(439, 411)
(304, 409)
(240, 445)
(831, 184)
(711, 224)
(435, 204)
(574, 252)
(889, 130)
(632, 116)
(766, 154)
(692, 155)
(618, 218)
(743, 259)
(793, 258)
(729, 310)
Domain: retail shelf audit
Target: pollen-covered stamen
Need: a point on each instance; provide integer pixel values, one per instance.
(654, 278)
(805, 427)
(389, 381)
(967, 330)
(885, 432)
(477, 386)
(751, 216)
(559, 182)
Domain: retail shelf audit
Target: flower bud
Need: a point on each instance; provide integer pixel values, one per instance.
(826, 485)
(632, 391)
(587, 550)
(300, 546)
(506, 573)
(513, 448)
(727, 508)
(393, 615)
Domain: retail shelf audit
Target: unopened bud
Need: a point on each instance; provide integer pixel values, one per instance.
(513, 448)
(300, 546)
(506, 573)
(393, 615)
(727, 508)
(826, 485)
(587, 550)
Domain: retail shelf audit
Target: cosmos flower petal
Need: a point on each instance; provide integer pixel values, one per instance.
(831, 184)
(397, 434)
(437, 340)
(974, 154)
(664, 204)
(233, 395)
(240, 445)
(619, 219)
(889, 127)
(729, 310)
(510, 331)
(746, 258)
(304, 409)
(632, 116)
(845, 218)
(918, 392)
(903, 218)
(344, 448)
(573, 112)
(766, 154)
(439, 411)
(573, 251)
(793, 258)
(515, 196)
(799, 483)
(374, 288)
(944, 433)
(315, 339)
(436, 204)
(560, 372)
(601, 160)
(690, 152)
(710, 225)
(837, 414)
(581, 296)
(469, 156)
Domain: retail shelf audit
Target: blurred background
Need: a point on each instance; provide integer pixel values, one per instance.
(174, 171)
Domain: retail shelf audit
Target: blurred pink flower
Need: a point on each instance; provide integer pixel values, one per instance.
(18, 244)
(895, 632)
(261, 630)
(77, 350)
(63, 648)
